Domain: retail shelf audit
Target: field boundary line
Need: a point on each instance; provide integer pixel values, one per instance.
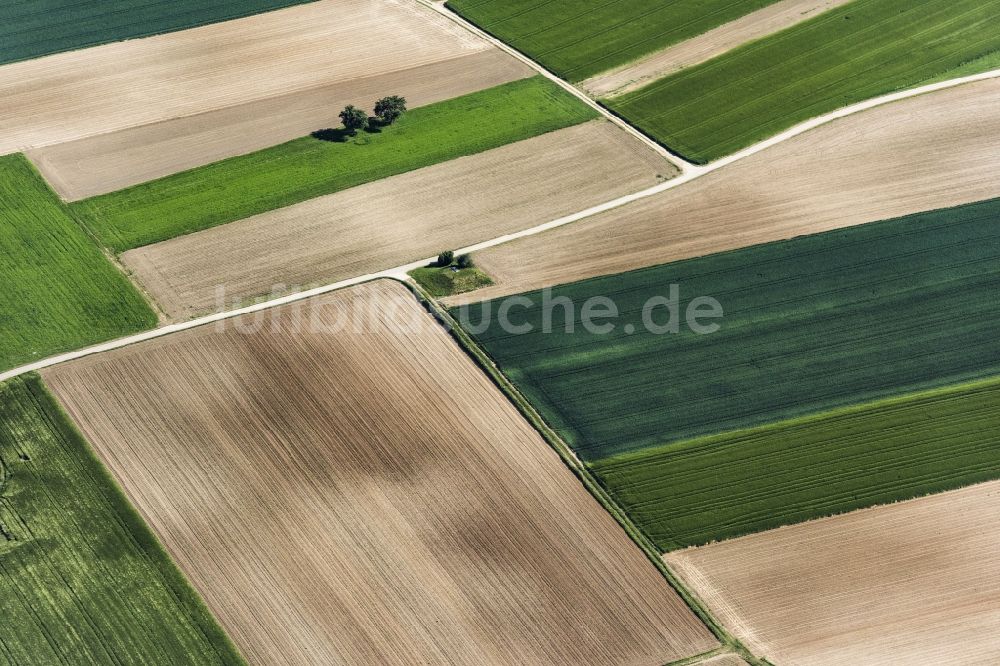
(687, 175)
(570, 459)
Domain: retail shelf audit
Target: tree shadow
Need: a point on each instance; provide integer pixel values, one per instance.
(339, 135)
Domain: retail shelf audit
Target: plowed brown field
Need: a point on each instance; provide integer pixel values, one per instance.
(399, 219)
(911, 583)
(309, 60)
(933, 151)
(368, 497)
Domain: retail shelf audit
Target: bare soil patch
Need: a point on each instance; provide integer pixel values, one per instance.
(910, 583)
(397, 220)
(760, 23)
(331, 45)
(933, 151)
(367, 496)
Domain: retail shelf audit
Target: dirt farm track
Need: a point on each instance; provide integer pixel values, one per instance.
(342, 498)
(910, 583)
(191, 93)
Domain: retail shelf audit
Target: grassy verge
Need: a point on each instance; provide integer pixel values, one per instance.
(305, 168)
(810, 324)
(577, 39)
(84, 579)
(441, 282)
(724, 486)
(40, 27)
(861, 50)
(60, 292)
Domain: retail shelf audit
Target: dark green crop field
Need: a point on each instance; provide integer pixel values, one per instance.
(305, 168)
(724, 486)
(59, 291)
(579, 38)
(810, 324)
(33, 28)
(83, 579)
(858, 51)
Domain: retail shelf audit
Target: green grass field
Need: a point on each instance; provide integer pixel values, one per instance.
(84, 580)
(305, 168)
(861, 50)
(441, 282)
(59, 291)
(577, 39)
(724, 486)
(40, 27)
(811, 324)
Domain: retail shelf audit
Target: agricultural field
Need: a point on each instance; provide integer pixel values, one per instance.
(761, 23)
(83, 579)
(855, 52)
(934, 151)
(59, 290)
(579, 38)
(40, 27)
(397, 509)
(109, 162)
(197, 96)
(310, 167)
(397, 220)
(725, 486)
(809, 324)
(911, 583)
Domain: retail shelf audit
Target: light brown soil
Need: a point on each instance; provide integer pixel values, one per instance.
(715, 42)
(933, 151)
(397, 220)
(333, 45)
(911, 583)
(368, 497)
(108, 162)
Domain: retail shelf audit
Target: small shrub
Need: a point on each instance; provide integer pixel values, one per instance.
(465, 261)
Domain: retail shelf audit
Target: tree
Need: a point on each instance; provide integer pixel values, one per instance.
(445, 258)
(388, 109)
(465, 261)
(353, 118)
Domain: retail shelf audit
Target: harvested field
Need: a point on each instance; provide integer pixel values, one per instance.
(368, 495)
(579, 38)
(399, 219)
(312, 166)
(83, 579)
(910, 583)
(108, 162)
(763, 22)
(805, 325)
(723, 486)
(281, 54)
(855, 52)
(937, 150)
(37, 28)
